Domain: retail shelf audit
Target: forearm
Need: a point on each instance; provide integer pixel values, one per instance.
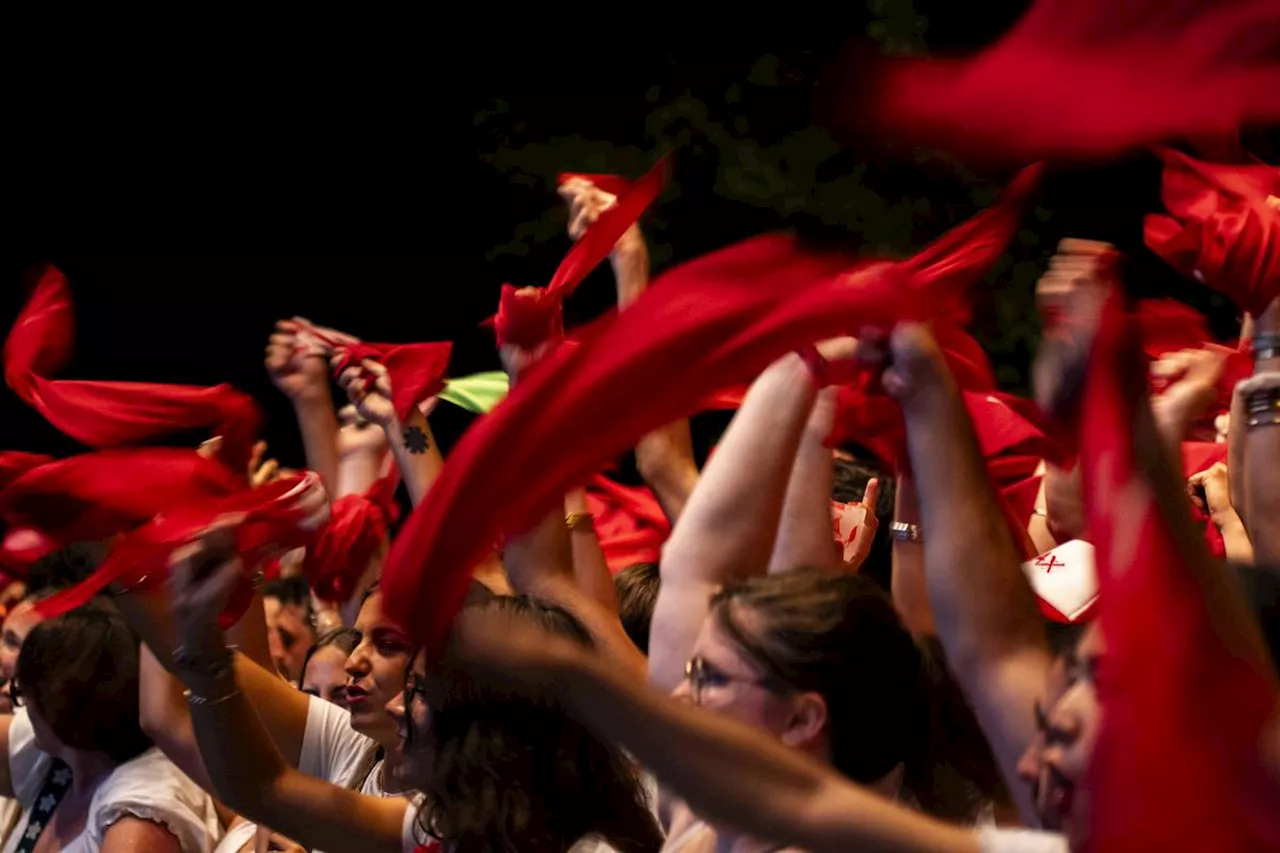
(589, 566)
(166, 719)
(731, 519)
(804, 529)
(1261, 508)
(417, 454)
(665, 460)
(251, 776)
(982, 604)
(1234, 539)
(538, 563)
(735, 775)
(318, 424)
(907, 584)
(242, 761)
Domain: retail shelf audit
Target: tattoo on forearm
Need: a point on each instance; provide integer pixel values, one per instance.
(415, 440)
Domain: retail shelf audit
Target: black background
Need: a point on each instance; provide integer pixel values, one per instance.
(428, 152)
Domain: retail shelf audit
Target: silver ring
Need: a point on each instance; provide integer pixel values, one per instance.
(900, 531)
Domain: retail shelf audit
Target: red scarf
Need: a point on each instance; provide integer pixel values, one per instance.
(1087, 79)
(529, 318)
(630, 523)
(1182, 713)
(416, 371)
(357, 528)
(273, 522)
(707, 325)
(113, 414)
(1220, 228)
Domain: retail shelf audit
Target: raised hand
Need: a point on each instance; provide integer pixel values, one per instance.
(204, 573)
(586, 203)
(1193, 377)
(368, 388)
(1070, 296)
(295, 361)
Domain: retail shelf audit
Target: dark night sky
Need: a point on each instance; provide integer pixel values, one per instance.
(446, 159)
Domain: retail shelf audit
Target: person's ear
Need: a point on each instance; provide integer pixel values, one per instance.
(808, 719)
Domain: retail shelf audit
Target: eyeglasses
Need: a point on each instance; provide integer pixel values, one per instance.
(702, 674)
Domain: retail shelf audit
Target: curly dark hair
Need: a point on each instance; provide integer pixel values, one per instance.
(515, 772)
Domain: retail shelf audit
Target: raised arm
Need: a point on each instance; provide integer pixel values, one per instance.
(804, 529)
(412, 442)
(728, 528)
(1261, 443)
(664, 456)
(543, 562)
(243, 762)
(730, 774)
(299, 370)
(283, 709)
(983, 608)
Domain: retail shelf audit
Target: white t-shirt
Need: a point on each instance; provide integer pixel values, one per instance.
(148, 787)
(335, 752)
(992, 839)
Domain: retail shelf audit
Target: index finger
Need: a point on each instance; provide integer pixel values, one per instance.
(871, 495)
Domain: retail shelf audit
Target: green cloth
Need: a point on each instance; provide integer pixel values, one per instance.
(478, 392)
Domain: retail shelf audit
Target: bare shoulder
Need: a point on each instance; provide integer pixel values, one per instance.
(136, 835)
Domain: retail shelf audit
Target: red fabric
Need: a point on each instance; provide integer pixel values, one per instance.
(97, 495)
(709, 324)
(1200, 455)
(528, 318)
(1181, 714)
(273, 522)
(1089, 79)
(1166, 326)
(15, 463)
(113, 414)
(357, 528)
(1220, 228)
(630, 523)
(416, 371)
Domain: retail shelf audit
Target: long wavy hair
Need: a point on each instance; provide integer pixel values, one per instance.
(514, 771)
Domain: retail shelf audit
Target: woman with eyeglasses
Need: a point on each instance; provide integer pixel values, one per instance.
(497, 769)
(811, 654)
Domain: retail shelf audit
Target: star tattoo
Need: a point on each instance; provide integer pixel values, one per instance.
(415, 440)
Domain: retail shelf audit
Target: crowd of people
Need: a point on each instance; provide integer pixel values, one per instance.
(896, 609)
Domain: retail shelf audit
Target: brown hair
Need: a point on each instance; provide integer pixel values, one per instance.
(80, 671)
(515, 772)
(838, 635)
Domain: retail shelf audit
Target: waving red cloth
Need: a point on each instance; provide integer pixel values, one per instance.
(416, 371)
(97, 495)
(630, 523)
(1182, 712)
(706, 325)
(1090, 79)
(1220, 229)
(113, 414)
(277, 517)
(1166, 326)
(357, 528)
(528, 318)
(15, 463)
